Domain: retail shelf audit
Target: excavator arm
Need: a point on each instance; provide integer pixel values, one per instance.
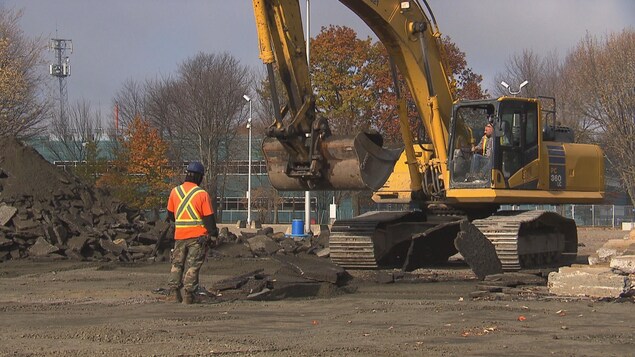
(301, 153)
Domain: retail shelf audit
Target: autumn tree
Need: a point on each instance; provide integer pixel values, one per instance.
(342, 79)
(140, 175)
(23, 103)
(468, 82)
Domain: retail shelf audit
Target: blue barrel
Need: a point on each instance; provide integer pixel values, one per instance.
(297, 227)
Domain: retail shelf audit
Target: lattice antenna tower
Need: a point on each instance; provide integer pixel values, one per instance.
(61, 69)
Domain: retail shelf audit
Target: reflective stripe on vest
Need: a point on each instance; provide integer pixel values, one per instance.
(186, 205)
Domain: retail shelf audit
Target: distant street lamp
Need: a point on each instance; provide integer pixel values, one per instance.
(248, 99)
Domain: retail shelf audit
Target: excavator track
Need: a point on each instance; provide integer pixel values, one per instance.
(390, 239)
(522, 239)
(351, 243)
(530, 239)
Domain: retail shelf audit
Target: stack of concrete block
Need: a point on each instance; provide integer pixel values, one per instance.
(610, 274)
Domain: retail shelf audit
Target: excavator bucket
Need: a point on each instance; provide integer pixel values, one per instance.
(350, 163)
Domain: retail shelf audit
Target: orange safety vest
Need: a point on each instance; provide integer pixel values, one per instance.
(190, 204)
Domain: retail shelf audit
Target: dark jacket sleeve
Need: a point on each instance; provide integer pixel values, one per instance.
(210, 224)
(171, 217)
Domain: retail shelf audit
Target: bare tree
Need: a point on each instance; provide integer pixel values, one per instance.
(72, 134)
(23, 105)
(602, 73)
(130, 101)
(545, 76)
(210, 105)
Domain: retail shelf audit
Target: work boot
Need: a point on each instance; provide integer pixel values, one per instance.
(174, 295)
(189, 299)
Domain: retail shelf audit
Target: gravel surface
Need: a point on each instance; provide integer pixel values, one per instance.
(66, 308)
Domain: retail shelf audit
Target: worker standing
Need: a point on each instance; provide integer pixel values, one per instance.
(189, 206)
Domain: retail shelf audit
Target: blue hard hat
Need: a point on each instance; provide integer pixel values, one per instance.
(195, 167)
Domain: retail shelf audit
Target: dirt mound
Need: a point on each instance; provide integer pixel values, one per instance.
(47, 212)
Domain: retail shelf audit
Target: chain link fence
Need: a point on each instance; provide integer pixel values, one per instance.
(615, 216)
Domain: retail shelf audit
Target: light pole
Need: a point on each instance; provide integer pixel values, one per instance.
(248, 99)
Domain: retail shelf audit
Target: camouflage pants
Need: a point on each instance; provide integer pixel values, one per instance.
(187, 253)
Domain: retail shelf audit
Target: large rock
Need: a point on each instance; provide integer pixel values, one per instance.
(596, 282)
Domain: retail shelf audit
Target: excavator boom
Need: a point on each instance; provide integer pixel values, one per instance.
(300, 151)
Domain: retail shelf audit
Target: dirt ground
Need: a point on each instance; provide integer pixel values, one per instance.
(68, 308)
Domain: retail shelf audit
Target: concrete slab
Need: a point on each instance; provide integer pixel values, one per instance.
(612, 248)
(624, 264)
(6, 213)
(77, 243)
(478, 251)
(592, 281)
(5, 243)
(42, 248)
(263, 246)
(314, 268)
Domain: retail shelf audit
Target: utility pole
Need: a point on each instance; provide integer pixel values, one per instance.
(61, 69)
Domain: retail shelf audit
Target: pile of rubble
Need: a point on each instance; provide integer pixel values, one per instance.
(610, 273)
(265, 242)
(48, 213)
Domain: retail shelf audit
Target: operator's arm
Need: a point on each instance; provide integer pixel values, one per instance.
(171, 217)
(478, 149)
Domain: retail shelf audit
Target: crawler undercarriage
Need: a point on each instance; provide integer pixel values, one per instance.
(410, 240)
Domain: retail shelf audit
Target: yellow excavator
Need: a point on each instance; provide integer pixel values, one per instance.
(530, 158)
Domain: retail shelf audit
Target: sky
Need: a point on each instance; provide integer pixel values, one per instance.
(117, 40)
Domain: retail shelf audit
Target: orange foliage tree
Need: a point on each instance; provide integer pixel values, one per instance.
(140, 175)
(355, 89)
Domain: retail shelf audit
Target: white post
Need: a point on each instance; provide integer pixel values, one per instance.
(613, 221)
(249, 171)
(307, 194)
(248, 99)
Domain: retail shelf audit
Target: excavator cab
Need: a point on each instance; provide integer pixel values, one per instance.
(472, 143)
(479, 160)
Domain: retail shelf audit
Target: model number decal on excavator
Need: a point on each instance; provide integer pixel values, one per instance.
(557, 167)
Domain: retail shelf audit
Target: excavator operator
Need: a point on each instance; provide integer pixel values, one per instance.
(482, 153)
